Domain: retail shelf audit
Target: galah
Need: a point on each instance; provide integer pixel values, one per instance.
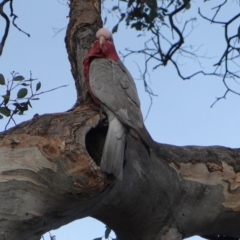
(112, 87)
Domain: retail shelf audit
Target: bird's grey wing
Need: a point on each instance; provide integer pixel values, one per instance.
(113, 85)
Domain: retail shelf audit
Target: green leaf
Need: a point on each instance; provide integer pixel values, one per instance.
(187, 6)
(152, 15)
(18, 78)
(22, 93)
(160, 16)
(164, 24)
(5, 111)
(137, 25)
(152, 4)
(107, 232)
(186, 2)
(115, 28)
(123, 15)
(38, 86)
(21, 113)
(25, 84)
(24, 106)
(21, 106)
(6, 98)
(30, 80)
(105, 20)
(2, 79)
(29, 104)
(114, 8)
(17, 105)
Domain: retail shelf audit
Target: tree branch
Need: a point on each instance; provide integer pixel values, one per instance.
(5, 17)
(229, 49)
(14, 18)
(6, 31)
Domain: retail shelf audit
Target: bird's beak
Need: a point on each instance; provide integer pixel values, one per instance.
(101, 41)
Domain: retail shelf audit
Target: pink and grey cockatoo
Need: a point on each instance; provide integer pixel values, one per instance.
(112, 87)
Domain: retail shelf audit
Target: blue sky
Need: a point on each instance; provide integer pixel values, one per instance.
(181, 113)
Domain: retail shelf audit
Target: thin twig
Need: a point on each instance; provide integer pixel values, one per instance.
(36, 94)
(12, 14)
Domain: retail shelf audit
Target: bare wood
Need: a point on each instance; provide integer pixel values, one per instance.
(50, 173)
(45, 169)
(49, 179)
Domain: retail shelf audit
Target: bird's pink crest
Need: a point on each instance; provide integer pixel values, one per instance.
(104, 32)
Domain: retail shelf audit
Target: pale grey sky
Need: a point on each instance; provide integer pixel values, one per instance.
(181, 113)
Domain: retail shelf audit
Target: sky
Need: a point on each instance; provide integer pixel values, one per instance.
(180, 114)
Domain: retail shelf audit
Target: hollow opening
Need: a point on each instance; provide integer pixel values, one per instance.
(94, 141)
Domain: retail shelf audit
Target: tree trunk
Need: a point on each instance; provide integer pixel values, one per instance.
(50, 172)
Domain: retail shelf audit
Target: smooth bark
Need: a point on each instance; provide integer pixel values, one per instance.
(48, 179)
(50, 172)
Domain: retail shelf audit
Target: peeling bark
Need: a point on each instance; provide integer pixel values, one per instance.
(48, 179)
(50, 173)
(45, 168)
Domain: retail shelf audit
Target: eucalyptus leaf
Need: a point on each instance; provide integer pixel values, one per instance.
(29, 80)
(105, 20)
(38, 86)
(115, 8)
(20, 112)
(115, 28)
(25, 84)
(6, 98)
(5, 111)
(2, 79)
(187, 6)
(29, 104)
(18, 78)
(22, 93)
(186, 1)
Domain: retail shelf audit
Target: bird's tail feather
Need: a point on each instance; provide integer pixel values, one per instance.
(114, 148)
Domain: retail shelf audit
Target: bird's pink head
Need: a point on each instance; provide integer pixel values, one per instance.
(103, 35)
(105, 45)
(103, 32)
